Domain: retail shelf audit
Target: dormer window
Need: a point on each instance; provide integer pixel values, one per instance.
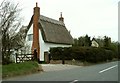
(30, 37)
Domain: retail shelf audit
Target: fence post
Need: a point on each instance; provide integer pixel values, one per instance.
(35, 55)
(16, 57)
(63, 57)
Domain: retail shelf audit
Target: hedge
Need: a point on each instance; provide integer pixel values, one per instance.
(89, 54)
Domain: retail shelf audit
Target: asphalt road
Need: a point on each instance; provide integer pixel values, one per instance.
(100, 72)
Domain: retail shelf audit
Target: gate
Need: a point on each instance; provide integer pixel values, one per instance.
(23, 57)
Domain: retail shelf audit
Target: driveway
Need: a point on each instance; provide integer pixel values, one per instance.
(57, 67)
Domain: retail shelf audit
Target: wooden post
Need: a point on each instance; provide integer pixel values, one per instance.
(16, 57)
(35, 55)
(47, 59)
(63, 57)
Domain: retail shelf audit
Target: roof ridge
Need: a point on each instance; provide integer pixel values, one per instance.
(44, 18)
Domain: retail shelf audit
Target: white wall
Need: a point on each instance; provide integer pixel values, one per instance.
(43, 46)
(46, 46)
(30, 31)
(94, 44)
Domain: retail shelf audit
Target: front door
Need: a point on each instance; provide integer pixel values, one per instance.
(46, 55)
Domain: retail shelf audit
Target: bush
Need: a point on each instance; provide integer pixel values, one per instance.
(56, 53)
(89, 54)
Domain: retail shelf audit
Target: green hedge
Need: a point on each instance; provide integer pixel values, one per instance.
(89, 54)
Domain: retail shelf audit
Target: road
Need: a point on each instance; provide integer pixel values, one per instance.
(100, 72)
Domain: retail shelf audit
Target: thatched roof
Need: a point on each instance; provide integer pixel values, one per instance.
(53, 31)
(99, 41)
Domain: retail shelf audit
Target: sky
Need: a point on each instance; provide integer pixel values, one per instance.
(93, 17)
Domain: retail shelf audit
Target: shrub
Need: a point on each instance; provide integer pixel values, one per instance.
(89, 54)
(56, 53)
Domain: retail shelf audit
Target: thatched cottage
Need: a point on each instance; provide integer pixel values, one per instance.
(94, 43)
(44, 33)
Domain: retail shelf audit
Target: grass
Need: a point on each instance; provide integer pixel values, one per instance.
(20, 69)
(0, 71)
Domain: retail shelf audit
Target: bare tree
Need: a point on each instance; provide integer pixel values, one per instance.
(9, 23)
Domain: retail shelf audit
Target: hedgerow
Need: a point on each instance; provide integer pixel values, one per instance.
(89, 54)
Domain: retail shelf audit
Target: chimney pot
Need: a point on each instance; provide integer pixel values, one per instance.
(61, 18)
(36, 4)
(61, 14)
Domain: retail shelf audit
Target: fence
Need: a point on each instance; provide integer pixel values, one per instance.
(23, 57)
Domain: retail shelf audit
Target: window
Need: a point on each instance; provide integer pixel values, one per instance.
(30, 37)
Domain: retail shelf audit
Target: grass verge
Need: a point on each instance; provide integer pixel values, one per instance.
(0, 71)
(24, 68)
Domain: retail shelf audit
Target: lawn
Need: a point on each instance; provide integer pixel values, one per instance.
(0, 71)
(20, 69)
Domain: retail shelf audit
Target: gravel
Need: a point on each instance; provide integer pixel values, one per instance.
(57, 67)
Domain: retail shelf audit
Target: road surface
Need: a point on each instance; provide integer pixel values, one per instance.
(100, 72)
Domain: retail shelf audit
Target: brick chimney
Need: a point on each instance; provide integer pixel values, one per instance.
(35, 44)
(61, 18)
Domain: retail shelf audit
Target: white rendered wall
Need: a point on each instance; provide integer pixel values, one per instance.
(46, 46)
(43, 46)
(30, 31)
(94, 44)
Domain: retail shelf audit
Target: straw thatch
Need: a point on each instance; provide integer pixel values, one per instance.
(53, 31)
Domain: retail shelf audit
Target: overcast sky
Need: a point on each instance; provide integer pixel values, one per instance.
(81, 17)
